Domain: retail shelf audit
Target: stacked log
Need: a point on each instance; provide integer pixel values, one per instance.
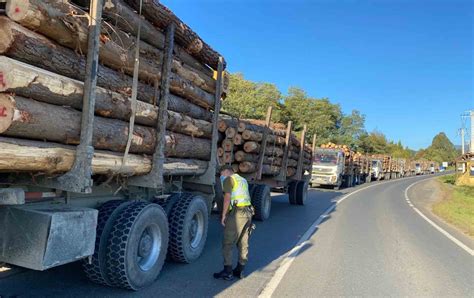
(242, 146)
(43, 52)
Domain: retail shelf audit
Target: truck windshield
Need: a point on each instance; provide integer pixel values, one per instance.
(374, 163)
(325, 158)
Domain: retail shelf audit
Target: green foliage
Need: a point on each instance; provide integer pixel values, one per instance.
(320, 115)
(247, 99)
(448, 179)
(441, 149)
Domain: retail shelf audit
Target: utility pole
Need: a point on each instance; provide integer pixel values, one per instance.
(472, 132)
(462, 140)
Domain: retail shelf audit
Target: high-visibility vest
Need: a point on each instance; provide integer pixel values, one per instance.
(240, 196)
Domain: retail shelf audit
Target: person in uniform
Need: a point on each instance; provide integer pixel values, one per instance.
(236, 218)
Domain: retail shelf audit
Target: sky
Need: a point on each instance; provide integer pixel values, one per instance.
(407, 65)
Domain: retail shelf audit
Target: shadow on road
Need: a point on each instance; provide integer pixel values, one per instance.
(271, 240)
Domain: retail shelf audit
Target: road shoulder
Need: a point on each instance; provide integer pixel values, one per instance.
(428, 192)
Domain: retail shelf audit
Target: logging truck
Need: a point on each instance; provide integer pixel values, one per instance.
(109, 139)
(332, 167)
(376, 170)
(269, 156)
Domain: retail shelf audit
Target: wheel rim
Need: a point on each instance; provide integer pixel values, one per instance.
(196, 229)
(149, 247)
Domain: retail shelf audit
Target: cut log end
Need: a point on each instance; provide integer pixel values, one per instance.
(6, 36)
(17, 10)
(7, 112)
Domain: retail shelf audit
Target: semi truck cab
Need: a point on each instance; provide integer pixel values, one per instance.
(376, 170)
(418, 169)
(328, 167)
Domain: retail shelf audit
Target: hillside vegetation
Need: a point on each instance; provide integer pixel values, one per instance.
(247, 99)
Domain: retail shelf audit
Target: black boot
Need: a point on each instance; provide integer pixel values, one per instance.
(225, 274)
(239, 271)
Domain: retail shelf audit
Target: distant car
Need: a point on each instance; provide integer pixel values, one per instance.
(442, 169)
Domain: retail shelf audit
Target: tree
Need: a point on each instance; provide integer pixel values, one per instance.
(320, 116)
(441, 149)
(351, 129)
(247, 99)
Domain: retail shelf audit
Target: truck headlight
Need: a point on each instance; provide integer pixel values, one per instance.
(333, 178)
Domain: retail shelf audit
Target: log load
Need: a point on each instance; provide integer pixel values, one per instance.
(27, 46)
(68, 25)
(50, 158)
(124, 17)
(30, 119)
(249, 135)
(162, 17)
(33, 82)
(247, 155)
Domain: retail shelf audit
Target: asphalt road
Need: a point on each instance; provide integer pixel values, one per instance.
(373, 243)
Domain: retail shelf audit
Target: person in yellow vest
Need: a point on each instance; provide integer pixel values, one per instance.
(237, 221)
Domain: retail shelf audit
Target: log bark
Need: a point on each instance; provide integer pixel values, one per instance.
(241, 156)
(226, 122)
(27, 118)
(251, 147)
(125, 18)
(22, 44)
(247, 167)
(270, 170)
(250, 167)
(275, 161)
(257, 137)
(68, 25)
(32, 82)
(254, 147)
(277, 126)
(292, 163)
(290, 171)
(49, 158)
(162, 17)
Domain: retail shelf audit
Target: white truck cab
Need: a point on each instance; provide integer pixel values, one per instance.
(328, 167)
(376, 169)
(418, 169)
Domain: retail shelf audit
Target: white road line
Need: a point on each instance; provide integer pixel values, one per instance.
(293, 253)
(441, 230)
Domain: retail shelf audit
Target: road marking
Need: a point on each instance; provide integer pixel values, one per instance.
(293, 253)
(441, 230)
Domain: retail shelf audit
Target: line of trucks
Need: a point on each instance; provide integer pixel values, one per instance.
(111, 135)
(110, 124)
(338, 166)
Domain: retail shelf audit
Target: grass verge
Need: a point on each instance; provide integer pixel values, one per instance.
(457, 207)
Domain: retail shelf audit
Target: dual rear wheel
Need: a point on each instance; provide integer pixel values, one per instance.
(134, 237)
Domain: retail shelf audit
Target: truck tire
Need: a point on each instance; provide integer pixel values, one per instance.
(252, 189)
(301, 192)
(137, 245)
(95, 270)
(219, 196)
(292, 192)
(188, 222)
(262, 202)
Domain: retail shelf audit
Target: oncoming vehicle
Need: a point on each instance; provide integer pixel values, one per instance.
(418, 170)
(328, 167)
(376, 170)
